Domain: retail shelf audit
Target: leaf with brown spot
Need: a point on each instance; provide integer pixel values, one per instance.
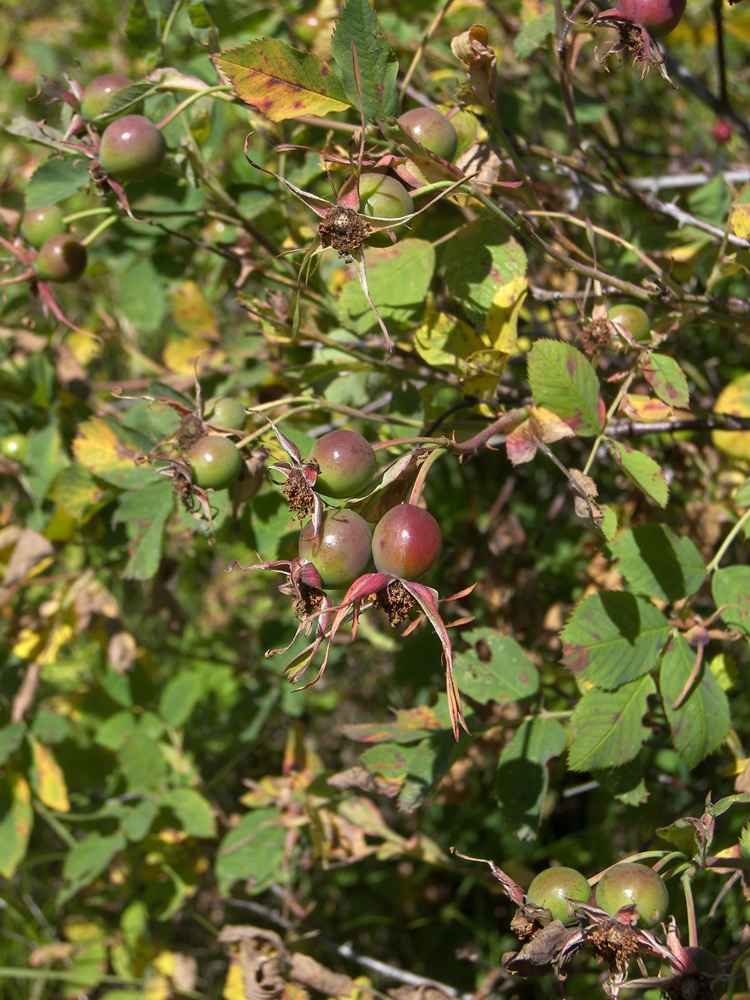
(280, 81)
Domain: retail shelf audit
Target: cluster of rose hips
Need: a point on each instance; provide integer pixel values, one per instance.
(625, 884)
(614, 916)
(131, 149)
(385, 197)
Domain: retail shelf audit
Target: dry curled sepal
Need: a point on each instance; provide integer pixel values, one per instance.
(540, 953)
(612, 939)
(634, 40)
(310, 603)
(299, 477)
(512, 889)
(396, 597)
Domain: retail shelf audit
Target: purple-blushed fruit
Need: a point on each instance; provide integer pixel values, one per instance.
(406, 542)
(216, 462)
(41, 224)
(633, 318)
(61, 258)
(14, 447)
(132, 149)
(228, 412)
(658, 17)
(637, 884)
(383, 196)
(99, 92)
(431, 130)
(341, 550)
(554, 886)
(721, 132)
(346, 461)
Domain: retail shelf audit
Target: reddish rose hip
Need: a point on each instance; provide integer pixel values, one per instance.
(346, 461)
(61, 258)
(406, 542)
(132, 149)
(100, 91)
(658, 17)
(633, 883)
(431, 130)
(341, 550)
(721, 132)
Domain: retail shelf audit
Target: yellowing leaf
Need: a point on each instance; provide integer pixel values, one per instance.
(49, 779)
(42, 646)
(180, 355)
(192, 312)
(484, 370)
(501, 324)
(82, 347)
(737, 23)
(740, 221)
(734, 399)
(443, 340)
(645, 408)
(234, 988)
(157, 988)
(15, 823)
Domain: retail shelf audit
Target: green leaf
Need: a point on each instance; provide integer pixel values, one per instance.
(199, 16)
(179, 698)
(16, 821)
(89, 858)
(142, 763)
(495, 668)
(253, 851)
(139, 820)
(742, 497)
(534, 33)
(358, 25)
(658, 563)
(411, 773)
(45, 458)
(140, 29)
(143, 297)
(127, 99)
(11, 737)
(625, 783)
(280, 81)
(398, 278)
(667, 379)
(730, 588)
(479, 260)
(521, 779)
(702, 722)
(642, 470)
(145, 512)
(606, 728)
(193, 811)
(564, 381)
(55, 180)
(612, 638)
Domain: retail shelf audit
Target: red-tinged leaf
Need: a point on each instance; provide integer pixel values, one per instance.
(280, 81)
(410, 725)
(564, 381)
(667, 379)
(645, 408)
(427, 599)
(613, 637)
(541, 426)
